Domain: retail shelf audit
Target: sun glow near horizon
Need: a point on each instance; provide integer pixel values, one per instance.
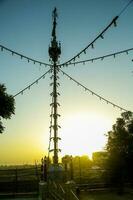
(84, 133)
(81, 134)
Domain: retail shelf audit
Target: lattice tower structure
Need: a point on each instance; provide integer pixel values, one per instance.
(54, 53)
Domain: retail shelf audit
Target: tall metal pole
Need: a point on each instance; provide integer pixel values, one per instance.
(54, 53)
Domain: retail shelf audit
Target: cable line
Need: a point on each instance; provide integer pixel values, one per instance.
(23, 56)
(93, 93)
(92, 43)
(100, 57)
(126, 6)
(30, 85)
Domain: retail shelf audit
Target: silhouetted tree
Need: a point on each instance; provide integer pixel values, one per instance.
(120, 150)
(80, 165)
(99, 158)
(6, 105)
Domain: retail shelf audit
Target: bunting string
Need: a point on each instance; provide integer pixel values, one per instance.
(23, 56)
(93, 93)
(101, 35)
(33, 83)
(100, 57)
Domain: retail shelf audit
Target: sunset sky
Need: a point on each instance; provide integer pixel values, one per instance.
(25, 27)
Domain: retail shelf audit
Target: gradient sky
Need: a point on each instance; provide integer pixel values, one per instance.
(25, 27)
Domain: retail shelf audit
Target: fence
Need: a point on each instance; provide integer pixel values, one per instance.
(19, 180)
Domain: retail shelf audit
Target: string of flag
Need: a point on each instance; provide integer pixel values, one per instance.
(100, 57)
(95, 94)
(33, 83)
(23, 56)
(101, 35)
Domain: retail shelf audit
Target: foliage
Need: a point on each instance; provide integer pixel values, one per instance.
(82, 168)
(6, 105)
(99, 159)
(120, 149)
(78, 162)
